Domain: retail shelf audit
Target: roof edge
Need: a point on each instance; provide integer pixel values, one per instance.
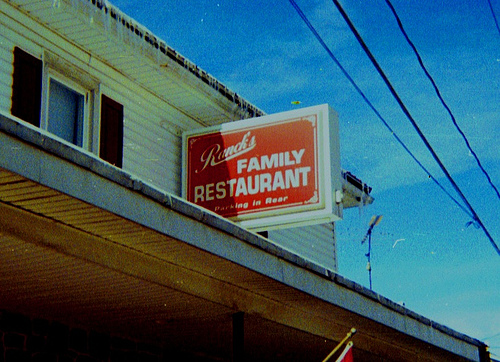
(156, 44)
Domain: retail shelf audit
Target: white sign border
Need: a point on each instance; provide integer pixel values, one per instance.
(328, 162)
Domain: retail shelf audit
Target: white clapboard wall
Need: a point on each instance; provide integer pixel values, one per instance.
(152, 129)
(315, 243)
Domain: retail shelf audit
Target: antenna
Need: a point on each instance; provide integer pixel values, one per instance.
(375, 220)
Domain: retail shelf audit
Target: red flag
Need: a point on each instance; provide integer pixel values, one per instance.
(346, 356)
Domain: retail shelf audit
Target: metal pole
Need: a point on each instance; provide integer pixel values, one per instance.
(369, 266)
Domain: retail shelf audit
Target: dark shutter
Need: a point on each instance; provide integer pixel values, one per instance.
(27, 87)
(111, 136)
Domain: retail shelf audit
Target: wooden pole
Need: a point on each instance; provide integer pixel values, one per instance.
(349, 335)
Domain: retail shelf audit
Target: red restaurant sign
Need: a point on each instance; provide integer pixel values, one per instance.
(264, 172)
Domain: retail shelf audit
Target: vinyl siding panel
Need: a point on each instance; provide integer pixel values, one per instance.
(152, 137)
(316, 243)
(6, 60)
(152, 152)
(5, 87)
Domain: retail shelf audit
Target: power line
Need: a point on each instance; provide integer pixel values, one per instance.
(351, 80)
(377, 113)
(438, 93)
(494, 16)
(410, 118)
(472, 212)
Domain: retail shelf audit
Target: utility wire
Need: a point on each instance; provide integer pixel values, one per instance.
(494, 16)
(410, 118)
(438, 93)
(353, 83)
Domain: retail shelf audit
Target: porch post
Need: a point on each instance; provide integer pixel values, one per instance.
(238, 337)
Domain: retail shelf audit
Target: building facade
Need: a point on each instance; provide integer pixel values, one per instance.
(102, 260)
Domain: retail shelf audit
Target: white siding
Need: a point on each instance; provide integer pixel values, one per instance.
(6, 58)
(152, 128)
(5, 71)
(315, 243)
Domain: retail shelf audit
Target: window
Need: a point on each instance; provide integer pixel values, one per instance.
(56, 96)
(66, 112)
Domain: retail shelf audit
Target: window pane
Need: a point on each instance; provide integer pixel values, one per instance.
(66, 113)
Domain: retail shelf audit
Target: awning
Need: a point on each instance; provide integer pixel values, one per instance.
(87, 244)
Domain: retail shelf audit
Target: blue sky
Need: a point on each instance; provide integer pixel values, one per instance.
(440, 267)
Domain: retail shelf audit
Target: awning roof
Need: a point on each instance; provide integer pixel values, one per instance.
(89, 245)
